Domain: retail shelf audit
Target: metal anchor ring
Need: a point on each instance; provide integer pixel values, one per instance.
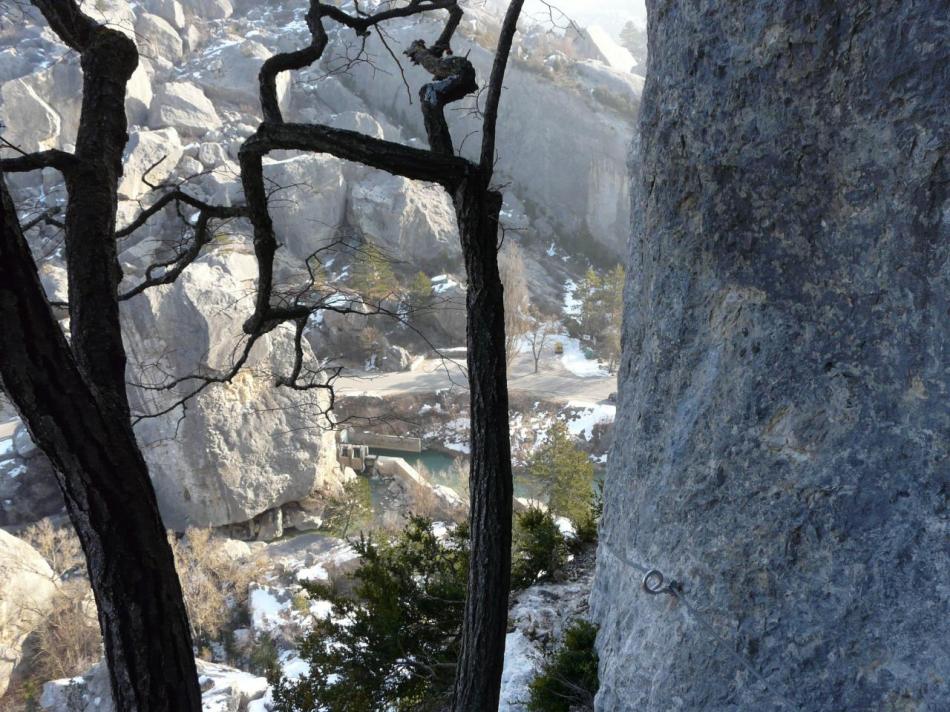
(653, 582)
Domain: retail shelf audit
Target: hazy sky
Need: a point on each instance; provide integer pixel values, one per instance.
(609, 14)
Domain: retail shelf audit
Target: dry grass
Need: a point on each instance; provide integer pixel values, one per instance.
(214, 584)
(68, 641)
(59, 545)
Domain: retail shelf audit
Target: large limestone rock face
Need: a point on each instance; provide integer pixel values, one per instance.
(242, 448)
(185, 107)
(782, 440)
(155, 150)
(33, 124)
(410, 220)
(311, 203)
(27, 586)
(229, 73)
(158, 38)
(561, 148)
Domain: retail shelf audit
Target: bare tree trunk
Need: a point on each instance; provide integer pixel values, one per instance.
(107, 490)
(480, 664)
(73, 398)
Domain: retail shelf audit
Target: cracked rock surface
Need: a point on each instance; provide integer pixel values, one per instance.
(782, 435)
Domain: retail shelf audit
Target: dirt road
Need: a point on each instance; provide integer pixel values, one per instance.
(552, 382)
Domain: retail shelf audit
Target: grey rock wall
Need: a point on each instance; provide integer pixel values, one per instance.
(782, 436)
(558, 146)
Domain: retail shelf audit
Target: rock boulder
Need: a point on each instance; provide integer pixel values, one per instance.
(143, 151)
(244, 447)
(157, 38)
(183, 106)
(27, 587)
(30, 123)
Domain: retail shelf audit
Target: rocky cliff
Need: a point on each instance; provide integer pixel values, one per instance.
(782, 437)
(247, 449)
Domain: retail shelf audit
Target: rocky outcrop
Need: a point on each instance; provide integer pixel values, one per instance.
(154, 151)
(244, 447)
(782, 436)
(27, 587)
(183, 106)
(223, 689)
(562, 145)
(33, 124)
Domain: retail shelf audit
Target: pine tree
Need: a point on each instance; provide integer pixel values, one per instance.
(350, 508)
(567, 471)
(538, 547)
(372, 276)
(612, 303)
(420, 291)
(393, 643)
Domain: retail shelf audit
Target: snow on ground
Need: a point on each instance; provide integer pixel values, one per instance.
(566, 527)
(226, 685)
(317, 572)
(521, 661)
(292, 666)
(572, 305)
(454, 435)
(270, 608)
(443, 283)
(587, 417)
(6, 448)
(575, 360)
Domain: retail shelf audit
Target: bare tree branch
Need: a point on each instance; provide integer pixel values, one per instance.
(53, 158)
(495, 84)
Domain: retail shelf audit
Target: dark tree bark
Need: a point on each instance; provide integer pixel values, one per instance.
(72, 397)
(484, 628)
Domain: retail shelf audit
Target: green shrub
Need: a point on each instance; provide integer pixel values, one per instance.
(352, 507)
(568, 680)
(587, 526)
(538, 547)
(262, 658)
(372, 274)
(393, 643)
